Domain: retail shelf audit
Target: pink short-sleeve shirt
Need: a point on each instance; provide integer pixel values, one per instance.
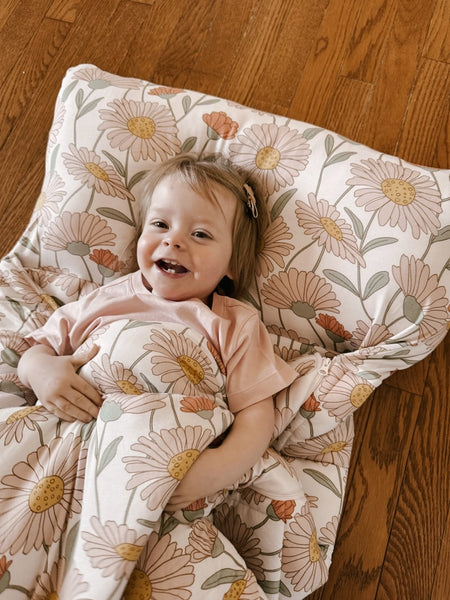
(253, 371)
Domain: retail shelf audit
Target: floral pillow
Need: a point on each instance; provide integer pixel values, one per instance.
(355, 262)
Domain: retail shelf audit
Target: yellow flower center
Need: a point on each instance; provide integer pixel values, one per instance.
(359, 394)
(142, 127)
(236, 590)
(40, 201)
(267, 158)
(399, 191)
(97, 171)
(314, 550)
(334, 447)
(128, 551)
(127, 387)
(180, 463)
(49, 301)
(191, 368)
(46, 493)
(21, 414)
(52, 596)
(332, 228)
(139, 586)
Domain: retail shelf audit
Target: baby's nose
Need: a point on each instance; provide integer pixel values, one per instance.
(174, 240)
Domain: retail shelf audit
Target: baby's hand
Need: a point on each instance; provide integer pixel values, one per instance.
(57, 385)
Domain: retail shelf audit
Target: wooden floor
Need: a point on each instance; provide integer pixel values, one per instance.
(376, 71)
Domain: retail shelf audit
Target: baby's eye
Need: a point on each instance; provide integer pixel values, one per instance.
(159, 224)
(202, 235)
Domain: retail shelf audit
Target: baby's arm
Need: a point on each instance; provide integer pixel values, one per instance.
(57, 385)
(219, 468)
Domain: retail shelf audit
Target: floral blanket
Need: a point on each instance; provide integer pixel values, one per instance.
(83, 504)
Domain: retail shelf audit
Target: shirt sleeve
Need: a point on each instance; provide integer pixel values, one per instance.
(254, 371)
(65, 329)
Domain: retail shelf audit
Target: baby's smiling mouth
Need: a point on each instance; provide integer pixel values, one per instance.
(171, 266)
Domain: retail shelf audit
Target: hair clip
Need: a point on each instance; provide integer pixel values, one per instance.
(251, 201)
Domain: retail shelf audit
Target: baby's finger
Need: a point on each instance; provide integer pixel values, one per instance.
(81, 407)
(85, 390)
(83, 355)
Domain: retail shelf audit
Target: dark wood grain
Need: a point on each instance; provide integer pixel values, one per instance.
(376, 71)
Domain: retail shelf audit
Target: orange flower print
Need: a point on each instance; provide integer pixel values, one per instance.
(168, 455)
(282, 509)
(86, 166)
(303, 292)
(274, 247)
(162, 571)
(200, 405)
(425, 303)
(323, 223)
(217, 358)
(41, 493)
(400, 195)
(274, 154)
(204, 541)
(311, 404)
(108, 263)
(220, 125)
(76, 233)
(112, 548)
(334, 329)
(147, 129)
(302, 561)
(165, 92)
(4, 565)
(195, 506)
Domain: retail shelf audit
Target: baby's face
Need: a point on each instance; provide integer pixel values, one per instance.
(185, 247)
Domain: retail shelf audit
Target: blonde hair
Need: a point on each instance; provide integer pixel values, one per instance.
(202, 175)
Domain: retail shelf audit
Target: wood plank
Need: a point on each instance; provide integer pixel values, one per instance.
(17, 30)
(228, 32)
(64, 10)
(158, 21)
(27, 74)
(6, 8)
(442, 577)
(347, 106)
(384, 118)
(442, 151)
(425, 114)
(318, 80)
(411, 379)
(437, 44)
(267, 67)
(367, 46)
(183, 45)
(27, 141)
(422, 510)
(371, 499)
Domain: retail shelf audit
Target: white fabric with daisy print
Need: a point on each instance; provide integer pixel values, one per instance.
(353, 280)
